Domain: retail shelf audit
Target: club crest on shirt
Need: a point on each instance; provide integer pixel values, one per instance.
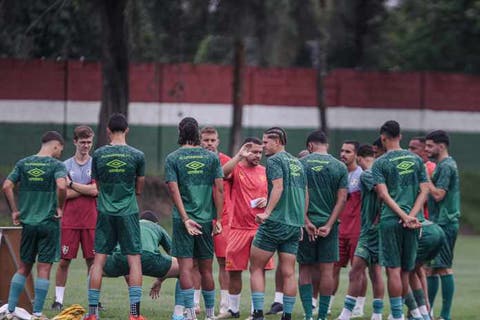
(65, 249)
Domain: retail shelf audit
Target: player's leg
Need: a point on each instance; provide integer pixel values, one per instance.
(356, 275)
(197, 284)
(418, 293)
(17, 284)
(42, 282)
(343, 249)
(277, 305)
(287, 266)
(307, 261)
(326, 288)
(258, 260)
(378, 288)
(358, 310)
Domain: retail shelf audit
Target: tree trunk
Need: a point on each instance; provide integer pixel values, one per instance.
(237, 92)
(114, 64)
(321, 66)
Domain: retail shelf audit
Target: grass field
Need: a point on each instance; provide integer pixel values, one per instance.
(114, 292)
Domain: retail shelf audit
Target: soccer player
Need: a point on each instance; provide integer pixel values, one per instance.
(42, 184)
(401, 183)
(80, 212)
(350, 221)
(210, 141)
(281, 222)
(119, 171)
(366, 253)
(417, 146)
(191, 173)
(444, 208)
(249, 197)
(378, 148)
(327, 180)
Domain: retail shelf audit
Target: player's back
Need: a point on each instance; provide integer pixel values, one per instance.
(370, 207)
(152, 236)
(115, 169)
(325, 176)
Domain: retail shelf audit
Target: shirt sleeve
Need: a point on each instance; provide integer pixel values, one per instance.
(141, 165)
(94, 167)
(343, 178)
(60, 170)
(423, 173)
(170, 170)
(14, 176)
(274, 169)
(442, 177)
(366, 178)
(218, 168)
(165, 240)
(377, 172)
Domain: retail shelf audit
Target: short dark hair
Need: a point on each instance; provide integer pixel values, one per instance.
(391, 128)
(149, 215)
(117, 123)
(188, 132)
(378, 143)
(52, 136)
(82, 132)
(254, 140)
(365, 150)
(355, 144)
(438, 136)
(317, 136)
(421, 139)
(277, 133)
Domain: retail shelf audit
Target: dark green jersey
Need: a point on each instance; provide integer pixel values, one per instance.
(402, 172)
(446, 177)
(195, 171)
(370, 204)
(290, 209)
(38, 189)
(325, 176)
(153, 236)
(115, 169)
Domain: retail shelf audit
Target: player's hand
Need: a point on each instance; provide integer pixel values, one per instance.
(217, 227)
(324, 231)
(261, 217)
(193, 228)
(68, 180)
(410, 222)
(16, 218)
(155, 289)
(311, 231)
(59, 214)
(245, 150)
(262, 203)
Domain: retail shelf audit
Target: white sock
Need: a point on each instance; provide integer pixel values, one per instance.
(331, 304)
(314, 302)
(416, 313)
(196, 296)
(376, 316)
(59, 293)
(346, 314)
(209, 312)
(423, 309)
(178, 310)
(223, 299)
(359, 305)
(234, 302)
(278, 297)
(190, 313)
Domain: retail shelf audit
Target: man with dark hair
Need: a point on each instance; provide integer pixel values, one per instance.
(366, 253)
(281, 222)
(119, 170)
(378, 148)
(327, 180)
(209, 140)
(444, 208)
(249, 197)
(80, 212)
(42, 191)
(350, 221)
(400, 181)
(195, 181)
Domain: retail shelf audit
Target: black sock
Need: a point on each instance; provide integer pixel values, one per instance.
(135, 309)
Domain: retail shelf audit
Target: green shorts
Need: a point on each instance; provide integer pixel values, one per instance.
(185, 245)
(398, 245)
(153, 265)
(124, 230)
(431, 241)
(444, 259)
(367, 247)
(322, 250)
(42, 240)
(272, 236)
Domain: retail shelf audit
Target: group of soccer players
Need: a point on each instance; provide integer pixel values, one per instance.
(369, 208)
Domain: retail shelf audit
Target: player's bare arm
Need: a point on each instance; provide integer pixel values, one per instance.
(241, 154)
(437, 193)
(10, 197)
(383, 194)
(139, 184)
(275, 195)
(76, 189)
(324, 230)
(309, 226)
(420, 201)
(218, 198)
(61, 196)
(192, 227)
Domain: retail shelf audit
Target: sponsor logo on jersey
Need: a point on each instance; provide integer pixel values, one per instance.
(405, 167)
(195, 167)
(35, 174)
(116, 166)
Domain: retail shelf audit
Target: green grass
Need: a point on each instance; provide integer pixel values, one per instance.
(114, 292)
(469, 182)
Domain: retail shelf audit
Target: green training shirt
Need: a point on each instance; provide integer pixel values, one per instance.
(38, 189)
(370, 204)
(290, 209)
(446, 177)
(325, 176)
(153, 236)
(115, 169)
(195, 171)
(402, 172)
